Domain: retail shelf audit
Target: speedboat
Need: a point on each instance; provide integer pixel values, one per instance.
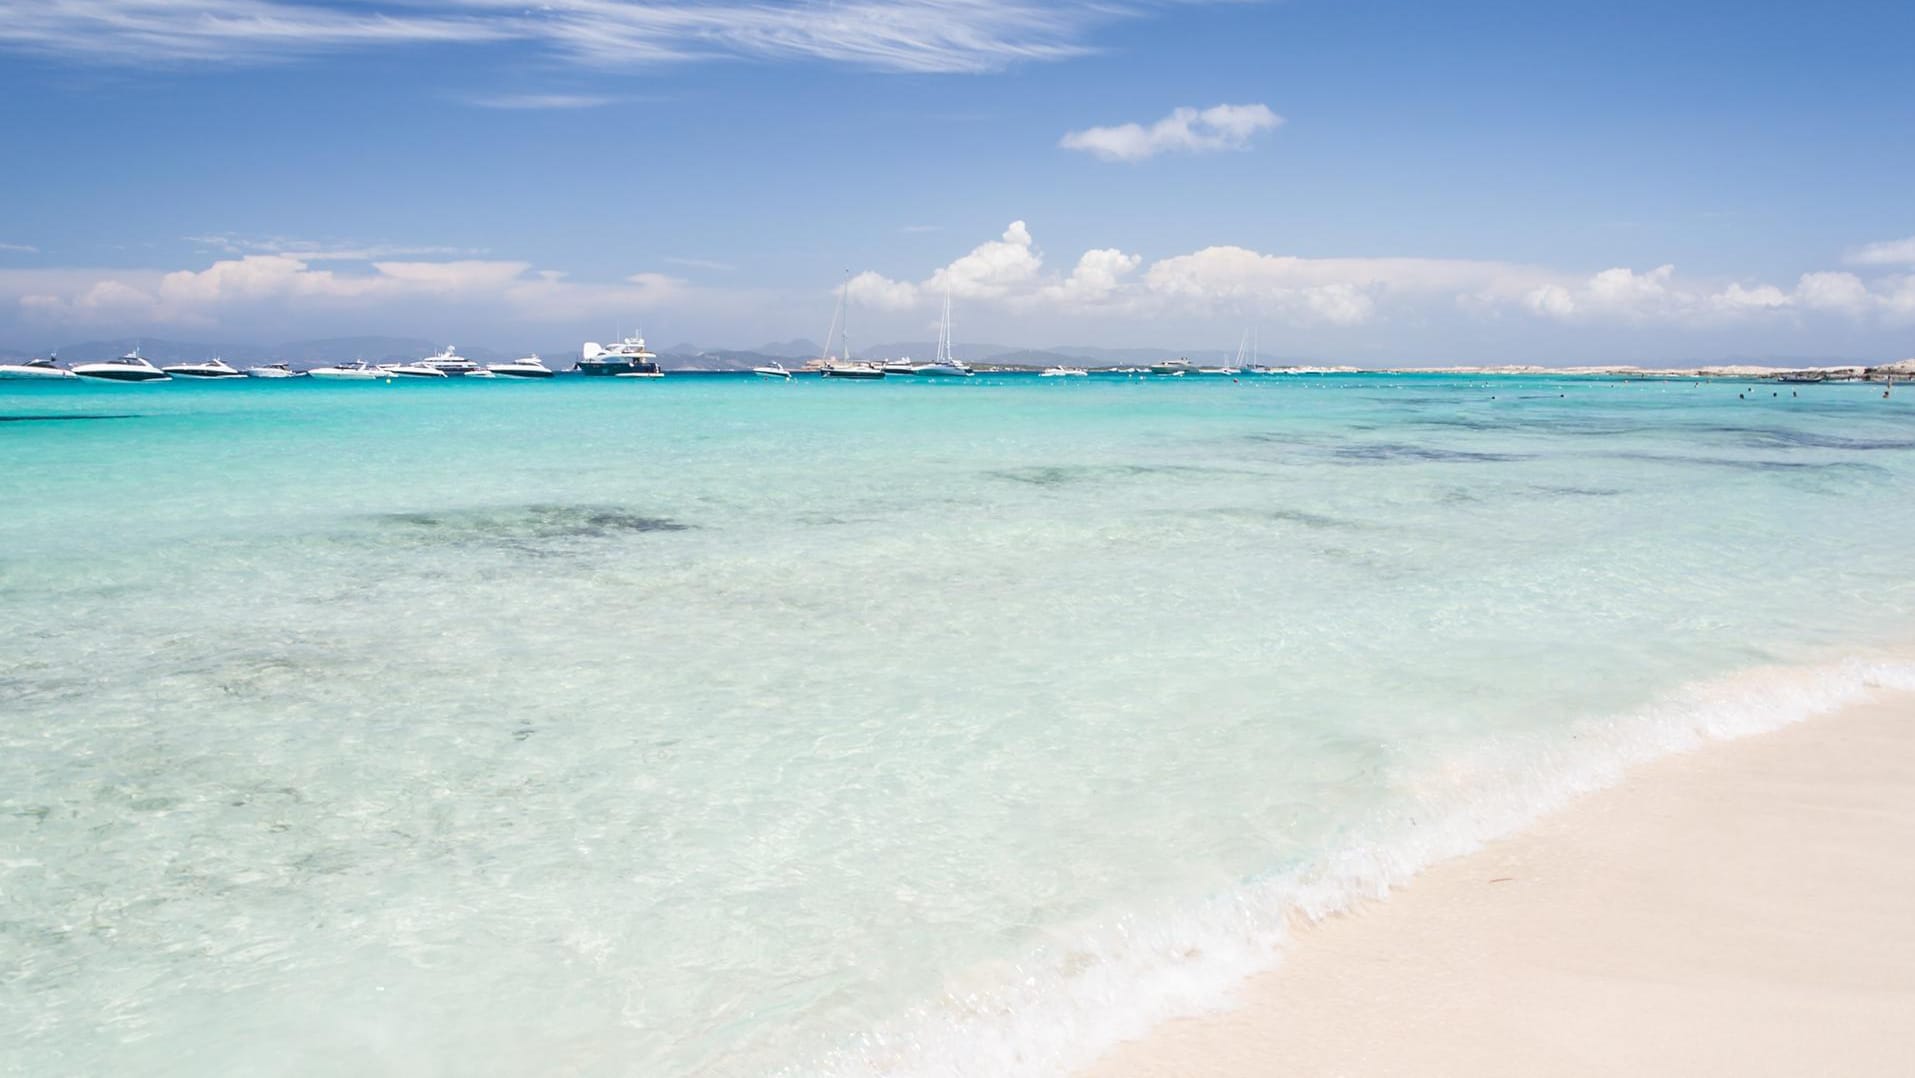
(356, 371)
(772, 370)
(273, 370)
(411, 370)
(212, 368)
(450, 363)
(851, 370)
(1172, 367)
(524, 367)
(131, 367)
(1218, 370)
(35, 370)
(1063, 372)
(629, 356)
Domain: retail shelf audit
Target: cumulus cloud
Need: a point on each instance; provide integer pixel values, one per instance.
(992, 269)
(1886, 253)
(203, 297)
(1185, 130)
(870, 289)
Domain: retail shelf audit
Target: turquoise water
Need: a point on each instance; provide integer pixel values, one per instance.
(722, 726)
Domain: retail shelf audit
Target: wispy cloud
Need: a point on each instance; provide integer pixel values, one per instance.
(538, 101)
(324, 250)
(699, 263)
(1887, 253)
(1185, 130)
(889, 35)
(20, 248)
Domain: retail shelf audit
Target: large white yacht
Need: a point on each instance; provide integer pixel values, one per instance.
(131, 367)
(273, 370)
(35, 370)
(523, 367)
(212, 368)
(628, 356)
(899, 366)
(1172, 367)
(451, 363)
(356, 371)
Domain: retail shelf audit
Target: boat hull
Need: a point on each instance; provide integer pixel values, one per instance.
(131, 374)
(603, 368)
(34, 374)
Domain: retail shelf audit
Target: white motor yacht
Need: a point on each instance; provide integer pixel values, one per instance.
(131, 367)
(411, 370)
(273, 370)
(212, 368)
(450, 362)
(35, 370)
(899, 366)
(851, 370)
(773, 369)
(1172, 367)
(628, 356)
(1063, 372)
(523, 367)
(356, 371)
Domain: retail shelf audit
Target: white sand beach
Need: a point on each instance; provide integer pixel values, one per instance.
(1740, 910)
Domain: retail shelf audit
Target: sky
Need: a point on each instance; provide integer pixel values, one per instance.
(1361, 181)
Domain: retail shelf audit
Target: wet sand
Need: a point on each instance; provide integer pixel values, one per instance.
(1746, 909)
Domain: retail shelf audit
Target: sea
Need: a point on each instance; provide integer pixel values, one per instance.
(719, 726)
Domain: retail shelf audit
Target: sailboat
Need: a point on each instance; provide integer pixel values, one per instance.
(946, 365)
(1243, 349)
(831, 366)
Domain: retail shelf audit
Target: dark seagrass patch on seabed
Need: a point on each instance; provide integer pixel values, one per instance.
(1402, 452)
(59, 418)
(529, 524)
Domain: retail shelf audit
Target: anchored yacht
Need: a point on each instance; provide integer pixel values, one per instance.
(523, 367)
(131, 367)
(629, 356)
(35, 370)
(774, 369)
(356, 371)
(1172, 366)
(945, 365)
(412, 370)
(212, 368)
(450, 363)
(1063, 372)
(273, 370)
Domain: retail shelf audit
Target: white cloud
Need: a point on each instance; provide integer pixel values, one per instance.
(993, 269)
(869, 289)
(891, 35)
(1096, 279)
(1887, 253)
(1185, 130)
(19, 248)
(278, 282)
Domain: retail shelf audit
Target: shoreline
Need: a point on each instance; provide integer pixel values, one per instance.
(1726, 910)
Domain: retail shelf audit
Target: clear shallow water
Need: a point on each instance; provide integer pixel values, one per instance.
(721, 726)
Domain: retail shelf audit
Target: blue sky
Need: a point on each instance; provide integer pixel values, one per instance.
(1362, 181)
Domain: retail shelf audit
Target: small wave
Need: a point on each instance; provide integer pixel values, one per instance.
(1093, 985)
